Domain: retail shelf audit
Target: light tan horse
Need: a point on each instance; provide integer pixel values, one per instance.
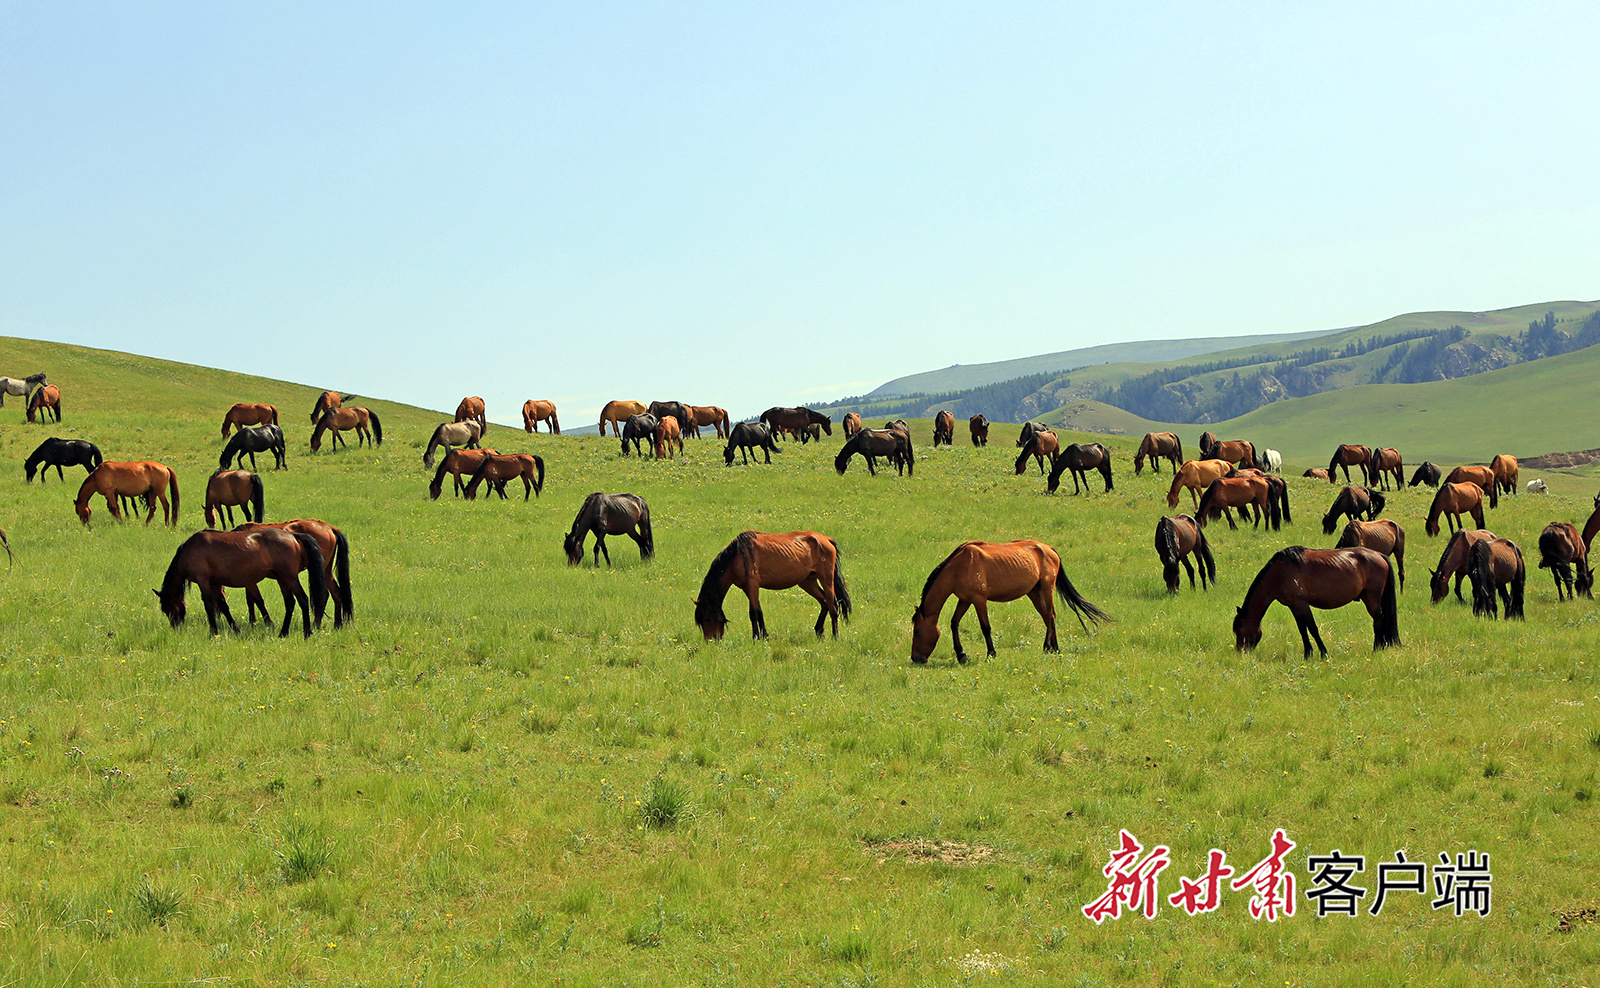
(1482, 476)
(363, 420)
(138, 479)
(1196, 475)
(711, 415)
(227, 488)
(1452, 501)
(244, 413)
(1504, 468)
(327, 402)
(851, 424)
(757, 561)
(1158, 446)
(618, 412)
(534, 412)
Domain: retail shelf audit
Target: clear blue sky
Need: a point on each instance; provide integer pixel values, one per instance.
(758, 204)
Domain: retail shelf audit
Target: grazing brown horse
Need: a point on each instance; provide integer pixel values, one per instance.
(1176, 537)
(1454, 500)
(1158, 446)
(676, 409)
(534, 412)
(1561, 551)
(1239, 451)
(1347, 456)
(243, 413)
(335, 549)
(497, 469)
(1318, 473)
(139, 479)
(227, 488)
(1382, 536)
(1385, 463)
(363, 420)
(1196, 475)
(213, 560)
(978, 572)
(471, 410)
(1504, 468)
(617, 412)
(978, 425)
(1277, 489)
(1482, 476)
(460, 462)
(794, 420)
(757, 561)
(852, 424)
(47, 400)
(1041, 443)
(944, 428)
(1352, 502)
(1497, 566)
(327, 402)
(667, 433)
(1589, 527)
(873, 443)
(610, 514)
(1455, 561)
(711, 415)
(1238, 492)
(1080, 458)
(1301, 578)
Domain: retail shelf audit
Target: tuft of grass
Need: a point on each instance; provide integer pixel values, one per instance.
(159, 905)
(665, 803)
(303, 852)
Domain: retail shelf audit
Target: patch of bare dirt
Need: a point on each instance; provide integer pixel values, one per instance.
(1555, 461)
(1572, 919)
(919, 851)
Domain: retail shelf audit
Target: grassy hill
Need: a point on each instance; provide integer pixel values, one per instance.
(509, 770)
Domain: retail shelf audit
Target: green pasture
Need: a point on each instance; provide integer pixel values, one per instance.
(507, 770)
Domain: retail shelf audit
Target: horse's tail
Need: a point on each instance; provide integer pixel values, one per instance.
(341, 572)
(555, 423)
(841, 593)
(1519, 581)
(538, 480)
(1078, 602)
(1274, 514)
(377, 427)
(96, 456)
(1105, 468)
(1481, 570)
(258, 497)
(1375, 503)
(726, 426)
(274, 413)
(1283, 495)
(1167, 552)
(316, 579)
(647, 536)
(1494, 493)
(1208, 562)
(172, 481)
(1386, 626)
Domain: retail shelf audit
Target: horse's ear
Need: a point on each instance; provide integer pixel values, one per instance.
(157, 593)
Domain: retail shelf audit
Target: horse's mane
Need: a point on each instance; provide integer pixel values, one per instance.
(708, 604)
(928, 584)
(173, 584)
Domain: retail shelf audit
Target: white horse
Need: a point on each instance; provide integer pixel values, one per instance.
(1537, 487)
(20, 387)
(1269, 460)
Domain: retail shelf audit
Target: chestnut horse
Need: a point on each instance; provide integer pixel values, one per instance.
(534, 412)
(1301, 578)
(335, 550)
(978, 572)
(1176, 537)
(1080, 458)
(1455, 561)
(1196, 475)
(227, 488)
(1239, 492)
(1277, 489)
(609, 514)
(497, 469)
(667, 433)
(944, 428)
(1453, 500)
(616, 413)
(327, 402)
(1384, 463)
(1347, 456)
(978, 425)
(1352, 502)
(47, 400)
(1504, 468)
(471, 410)
(1158, 446)
(852, 424)
(757, 561)
(1497, 566)
(346, 418)
(1239, 451)
(1382, 536)
(1041, 443)
(1561, 551)
(704, 415)
(249, 414)
(460, 462)
(1482, 476)
(139, 479)
(213, 560)
(1318, 473)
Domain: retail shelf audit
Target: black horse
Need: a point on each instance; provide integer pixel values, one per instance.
(679, 411)
(1080, 458)
(253, 439)
(58, 453)
(610, 514)
(747, 436)
(1428, 473)
(639, 428)
(873, 443)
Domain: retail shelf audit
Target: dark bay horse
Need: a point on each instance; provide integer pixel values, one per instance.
(1176, 537)
(978, 425)
(1239, 492)
(1238, 451)
(1347, 456)
(58, 453)
(944, 428)
(1382, 536)
(610, 514)
(1497, 566)
(46, 400)
(1158, 446)
(1591, 526)
(1352, 502)
(227, 488)
(978, 572)
(794, 419)
(245, 413)
(460, 462)
(1452, 501)
(1482, 476)
(640, 428)
(138, 479)
(335, 550)
(1301, 578)
(342, 419)
(1561, 551)
(1028, 431)
(1080, 458)
(1385, 463)
(471, 409)
(253, 439)
(534, 412)
(1504, 468)
(1277, 489)
(214, 560)
(757, 561)
(1456, 561)
(498, 468)
(451, 434)
(852, 424)
(1042, 444)
(1428, 473)
(746, 436)
(873, 443)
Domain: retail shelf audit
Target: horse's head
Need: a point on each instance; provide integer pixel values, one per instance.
(574, 548)
(83, 509)
(173, 606)
(1244, 639)
(711, 625)
(316, 440)
(924, 635)
(1438, 585)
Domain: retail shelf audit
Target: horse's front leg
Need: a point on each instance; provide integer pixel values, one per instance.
(955, 630)
(1308, 630)
(982, 607)
(222, 608)
(600, 549)
(758, 621)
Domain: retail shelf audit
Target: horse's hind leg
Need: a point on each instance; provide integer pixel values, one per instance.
(1189, 568)
(222, 608)
(1045, 605)
(814, 586)
(254, 602)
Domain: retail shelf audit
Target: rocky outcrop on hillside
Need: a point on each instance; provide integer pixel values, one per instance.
(1555, 461)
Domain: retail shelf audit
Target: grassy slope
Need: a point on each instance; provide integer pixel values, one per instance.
(449, 791)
